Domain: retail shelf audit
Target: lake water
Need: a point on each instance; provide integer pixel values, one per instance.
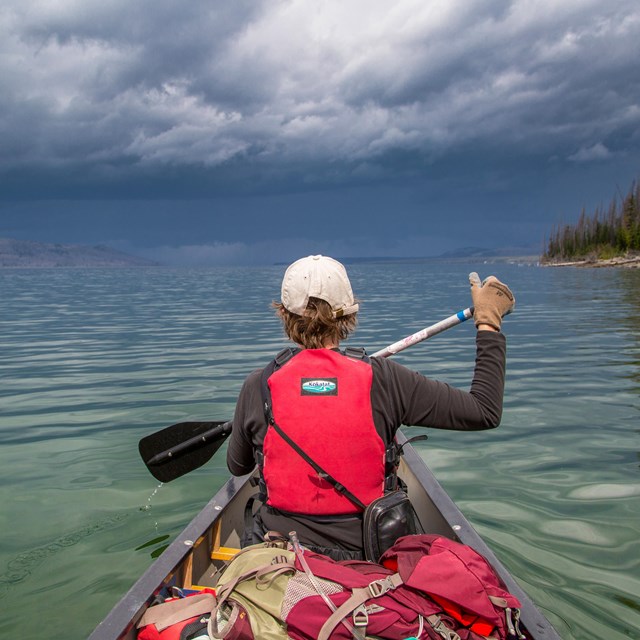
(93, 360)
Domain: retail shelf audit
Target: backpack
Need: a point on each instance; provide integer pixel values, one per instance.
(458, 579)
(426, 586)
(252, 589)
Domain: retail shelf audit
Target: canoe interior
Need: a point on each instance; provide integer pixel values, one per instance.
(218, 527)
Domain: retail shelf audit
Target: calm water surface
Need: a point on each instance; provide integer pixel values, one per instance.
(93, 360)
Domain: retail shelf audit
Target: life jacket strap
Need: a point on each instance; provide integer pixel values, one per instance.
(356, 353)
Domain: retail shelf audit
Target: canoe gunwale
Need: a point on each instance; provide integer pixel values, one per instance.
(532, 618)
(132, 604)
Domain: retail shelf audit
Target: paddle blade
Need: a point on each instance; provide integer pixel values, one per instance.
(181, 448)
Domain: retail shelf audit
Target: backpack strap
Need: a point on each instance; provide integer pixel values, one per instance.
(354, 605)
(264, 575)
(168, 613)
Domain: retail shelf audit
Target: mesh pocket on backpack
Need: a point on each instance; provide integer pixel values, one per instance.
(300, 587)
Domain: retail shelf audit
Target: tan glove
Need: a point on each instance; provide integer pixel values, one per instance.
(491, 300)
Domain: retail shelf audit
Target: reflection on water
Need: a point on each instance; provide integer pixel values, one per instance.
(630, 321)
(93, 360)
(21, 567)
(157, 551)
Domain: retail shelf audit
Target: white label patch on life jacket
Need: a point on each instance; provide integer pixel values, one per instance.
(319, 386)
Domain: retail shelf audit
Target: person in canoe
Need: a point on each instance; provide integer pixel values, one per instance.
(318, 420)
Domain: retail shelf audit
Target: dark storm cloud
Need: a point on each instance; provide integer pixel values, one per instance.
(205, 83)
(156, 99)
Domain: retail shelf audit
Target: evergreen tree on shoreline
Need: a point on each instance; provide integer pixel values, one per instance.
(601, 235)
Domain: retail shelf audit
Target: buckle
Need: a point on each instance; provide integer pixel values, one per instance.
(440, 627)
(360, 616)
(378, 588)
(513, 623)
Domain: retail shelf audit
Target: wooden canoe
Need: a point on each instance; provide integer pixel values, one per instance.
(212, 537)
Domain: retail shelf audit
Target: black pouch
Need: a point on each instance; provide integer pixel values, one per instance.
(385, 520)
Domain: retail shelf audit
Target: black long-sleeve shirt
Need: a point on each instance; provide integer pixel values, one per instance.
(398, 396)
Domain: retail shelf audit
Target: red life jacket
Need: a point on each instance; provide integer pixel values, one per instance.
(321, 399)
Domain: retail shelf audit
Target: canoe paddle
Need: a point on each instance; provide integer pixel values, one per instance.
(182, 447)
(186, 446)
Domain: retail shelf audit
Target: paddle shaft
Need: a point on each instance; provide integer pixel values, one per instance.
(425, 333)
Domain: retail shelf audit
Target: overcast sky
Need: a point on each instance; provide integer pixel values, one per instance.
(243, 131)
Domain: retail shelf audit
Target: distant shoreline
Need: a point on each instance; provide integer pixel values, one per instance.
(624, 262)
(27, 254)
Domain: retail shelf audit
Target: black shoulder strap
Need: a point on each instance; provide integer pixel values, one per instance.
(268, 412)
(340, 488)
(357, 353)
(282, 357)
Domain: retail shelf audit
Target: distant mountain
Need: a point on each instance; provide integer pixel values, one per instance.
(25, 253)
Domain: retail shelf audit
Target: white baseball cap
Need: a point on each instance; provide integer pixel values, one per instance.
(317, 277)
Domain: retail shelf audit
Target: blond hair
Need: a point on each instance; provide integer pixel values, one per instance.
(317, 328)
